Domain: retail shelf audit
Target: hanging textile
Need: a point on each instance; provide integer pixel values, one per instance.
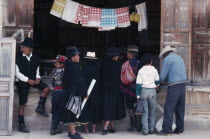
(70, 11)
(108, 18)
(110, 3)
(142, 11)
(123, 17)
(58, 8)
(84, 15)
(94, 19)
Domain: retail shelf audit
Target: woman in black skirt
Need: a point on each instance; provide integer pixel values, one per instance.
(95, 103)
(73, 83)
(114, 108)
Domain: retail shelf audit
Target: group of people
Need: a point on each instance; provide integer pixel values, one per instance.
(118, 86)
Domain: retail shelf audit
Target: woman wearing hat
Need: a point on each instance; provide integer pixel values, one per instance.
(92, 71)
(73, 84)
(110, 85)
(128, 87)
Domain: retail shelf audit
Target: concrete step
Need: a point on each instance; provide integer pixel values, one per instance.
(200, 111)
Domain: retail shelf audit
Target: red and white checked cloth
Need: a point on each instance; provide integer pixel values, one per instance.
(79, 13)
(123, 17)
(85, 14)
(94, 19)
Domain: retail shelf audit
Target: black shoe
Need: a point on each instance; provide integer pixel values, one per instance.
(112, 130)
(75, 136)
(152, 132)
(60, 130)
(40, 110)
(69, 134)
(104, 132)
(178, 132)
(131, 129)
(54, 128)
(145, 133)
(163, 134)
(23, 128)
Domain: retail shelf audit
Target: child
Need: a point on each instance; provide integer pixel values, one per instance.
(58, 95)
(146, 82)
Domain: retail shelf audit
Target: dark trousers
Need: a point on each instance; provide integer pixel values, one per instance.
(175, 102)
(57, 105)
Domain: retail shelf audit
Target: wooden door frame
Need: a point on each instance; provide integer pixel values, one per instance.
(190, 35)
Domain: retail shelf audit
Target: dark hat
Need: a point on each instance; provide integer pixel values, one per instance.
(28, 42)
(60, 58)
(133, 48)
(71, 51)
(112, 52)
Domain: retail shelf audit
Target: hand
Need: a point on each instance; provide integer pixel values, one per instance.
(31, 82)
(163, 83)
(157, 88)
(138, 99)
(37, 80)
(87, 97)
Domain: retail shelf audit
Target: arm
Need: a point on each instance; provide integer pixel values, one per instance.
(157, 78)
(139, 83)
(38, 77)
(138, 90)
(164, 70)
(19, 75)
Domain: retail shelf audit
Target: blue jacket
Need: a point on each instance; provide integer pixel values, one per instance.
(173, 69)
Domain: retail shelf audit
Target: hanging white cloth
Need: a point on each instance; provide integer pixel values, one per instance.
(142, 11)
(70, 11)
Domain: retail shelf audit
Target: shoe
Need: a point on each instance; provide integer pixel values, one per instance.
(178, 132)
(59, 128)
(152, 132)
(104, 132)
(69, 134)
(145, 133)
(112, 130)
(163, 134)
(23, 128)
(131, 129)
(40, 110)
(54, 128)
(75, 136)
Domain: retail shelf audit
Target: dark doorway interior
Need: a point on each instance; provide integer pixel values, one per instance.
(52, 34)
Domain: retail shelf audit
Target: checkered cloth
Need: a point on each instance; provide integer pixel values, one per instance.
(79, 13)
(94, 19)
(108, 18)
(85, 15)
(123, 17)
(58, 8)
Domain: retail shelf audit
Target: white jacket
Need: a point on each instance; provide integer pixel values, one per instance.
(147, 76)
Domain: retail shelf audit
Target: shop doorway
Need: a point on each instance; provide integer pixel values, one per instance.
(52, 34)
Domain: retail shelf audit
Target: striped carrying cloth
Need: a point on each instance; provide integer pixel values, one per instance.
(58, 8)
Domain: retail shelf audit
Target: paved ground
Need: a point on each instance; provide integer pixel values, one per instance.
(44, 134)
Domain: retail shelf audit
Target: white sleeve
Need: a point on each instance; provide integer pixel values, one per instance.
(19, 75)
(157, 77)
(38, 74)
(139, 78)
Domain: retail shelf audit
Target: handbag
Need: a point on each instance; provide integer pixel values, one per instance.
(139, 108)
(74, 104)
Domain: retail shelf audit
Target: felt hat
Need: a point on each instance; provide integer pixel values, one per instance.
(71, 51)
(91, 55)
(133, 48)
(167, 49)
(28, 42)
(112, 52)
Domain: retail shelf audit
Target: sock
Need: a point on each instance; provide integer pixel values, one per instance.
(21, 119)
(42, 100)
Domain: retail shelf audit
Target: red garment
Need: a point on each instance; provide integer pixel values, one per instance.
(94, 18)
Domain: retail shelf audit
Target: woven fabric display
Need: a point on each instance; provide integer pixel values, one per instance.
(58, 8)
(70, 11)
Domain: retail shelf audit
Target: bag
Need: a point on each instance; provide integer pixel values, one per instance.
(127, 75)
(139, 108)
(74, 104)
